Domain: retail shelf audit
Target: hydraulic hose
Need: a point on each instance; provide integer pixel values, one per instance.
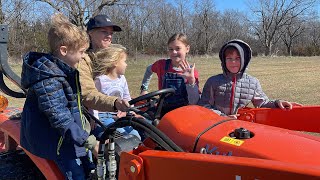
(137, 123)
(155, 134)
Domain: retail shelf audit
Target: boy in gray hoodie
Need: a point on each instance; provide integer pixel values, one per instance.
(226, 93)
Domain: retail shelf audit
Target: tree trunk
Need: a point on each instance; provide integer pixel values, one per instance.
(1, 13)
(289, 51)
(267, 50)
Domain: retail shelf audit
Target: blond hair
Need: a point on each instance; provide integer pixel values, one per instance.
(63, 33)
(105, 59)
(180, 37)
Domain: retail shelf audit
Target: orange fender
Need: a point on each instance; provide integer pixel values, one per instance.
(48, 168)
(4, 116)
(2, 143)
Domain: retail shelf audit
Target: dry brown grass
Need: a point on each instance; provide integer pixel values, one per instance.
(290, 78)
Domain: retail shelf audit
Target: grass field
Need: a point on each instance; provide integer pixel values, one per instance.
(293, 79)
(289, 78)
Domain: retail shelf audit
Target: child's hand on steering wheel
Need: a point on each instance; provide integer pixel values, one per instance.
(121, 114)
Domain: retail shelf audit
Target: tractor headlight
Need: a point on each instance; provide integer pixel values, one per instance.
(3, 103)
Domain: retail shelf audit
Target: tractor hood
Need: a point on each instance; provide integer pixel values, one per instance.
(199, 130)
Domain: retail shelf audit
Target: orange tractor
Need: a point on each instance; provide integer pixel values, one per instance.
(190, 142)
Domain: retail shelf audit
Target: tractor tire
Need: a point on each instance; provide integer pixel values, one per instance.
(17, 165)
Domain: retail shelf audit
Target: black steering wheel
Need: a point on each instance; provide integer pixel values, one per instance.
(153, 105)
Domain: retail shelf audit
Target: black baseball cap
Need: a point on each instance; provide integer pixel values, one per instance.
(101, 21)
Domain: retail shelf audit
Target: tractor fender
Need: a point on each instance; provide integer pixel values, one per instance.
(48, 168)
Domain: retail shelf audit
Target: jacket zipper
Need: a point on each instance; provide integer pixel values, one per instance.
(59, 145)
(80, 111)
(79, 103)
(78, 99)
(234, 82)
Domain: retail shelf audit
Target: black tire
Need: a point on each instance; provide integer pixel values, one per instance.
(17, 165)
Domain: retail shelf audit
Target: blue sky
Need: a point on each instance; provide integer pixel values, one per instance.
(222, 5)
(237, 5)
(240, 5)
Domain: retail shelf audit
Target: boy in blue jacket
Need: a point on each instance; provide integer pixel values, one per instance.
(53, 126)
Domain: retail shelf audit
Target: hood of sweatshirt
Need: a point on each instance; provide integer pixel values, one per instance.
(245, 55)
(39, 66)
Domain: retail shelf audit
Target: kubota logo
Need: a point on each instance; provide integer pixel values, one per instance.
(214, 151)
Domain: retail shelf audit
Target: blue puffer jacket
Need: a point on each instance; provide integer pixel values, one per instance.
(51, 123)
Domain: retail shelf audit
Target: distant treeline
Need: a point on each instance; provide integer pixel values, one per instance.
(271, 27)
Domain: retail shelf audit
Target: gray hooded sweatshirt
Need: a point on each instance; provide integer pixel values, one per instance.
(226, 93)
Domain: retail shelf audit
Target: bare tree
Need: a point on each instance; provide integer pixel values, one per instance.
(16, 14)
(79, 10)
(167, 18)
(270, 16)
(183, 9)
(157, 30)
(315, 34)
(233, 24)
(205, 23)
(313, 38)
(140, 20)
(278, 25)
(1, 13)
(290, 33)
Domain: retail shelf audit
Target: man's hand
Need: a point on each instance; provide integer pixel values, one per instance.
(121, 105)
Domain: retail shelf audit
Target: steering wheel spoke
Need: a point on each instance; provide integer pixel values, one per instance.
(151, 102)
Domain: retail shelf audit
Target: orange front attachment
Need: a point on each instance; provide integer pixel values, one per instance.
(305, 118)
(160, 165)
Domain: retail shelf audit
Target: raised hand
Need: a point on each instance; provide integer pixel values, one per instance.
(188, 71)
